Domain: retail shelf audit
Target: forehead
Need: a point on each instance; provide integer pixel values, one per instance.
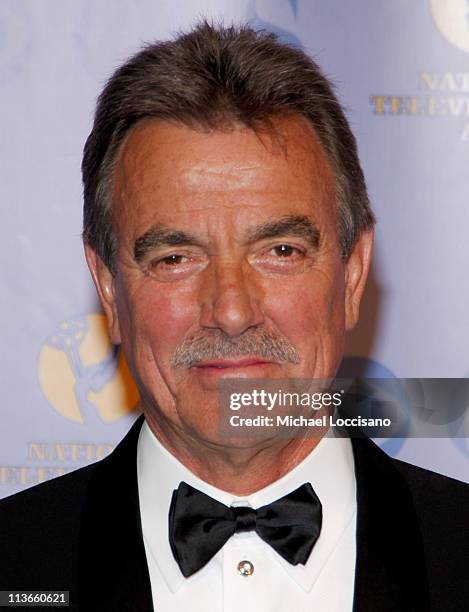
(166, 170)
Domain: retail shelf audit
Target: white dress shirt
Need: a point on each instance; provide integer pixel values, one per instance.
(324, 584)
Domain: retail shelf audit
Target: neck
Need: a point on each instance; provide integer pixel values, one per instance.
(241, 470)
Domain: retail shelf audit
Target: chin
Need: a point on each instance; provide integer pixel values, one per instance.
(241, 442)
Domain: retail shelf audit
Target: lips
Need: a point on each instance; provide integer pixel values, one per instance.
(223, 364)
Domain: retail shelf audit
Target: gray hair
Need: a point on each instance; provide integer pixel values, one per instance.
(211, 78)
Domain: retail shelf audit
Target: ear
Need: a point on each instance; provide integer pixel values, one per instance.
(356, 273)
(105, 284)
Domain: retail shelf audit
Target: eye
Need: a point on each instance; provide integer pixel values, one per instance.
(285, 250)
(171, 260)
(175, 266)
(281, 258)
(285, 254)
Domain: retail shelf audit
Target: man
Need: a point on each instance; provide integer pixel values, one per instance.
(228, 232)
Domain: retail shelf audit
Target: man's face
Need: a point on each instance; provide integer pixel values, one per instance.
(228, 265)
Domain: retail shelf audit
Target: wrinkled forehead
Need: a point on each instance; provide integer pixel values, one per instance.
(171, 167)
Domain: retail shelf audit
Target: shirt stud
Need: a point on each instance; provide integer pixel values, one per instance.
(245, 568)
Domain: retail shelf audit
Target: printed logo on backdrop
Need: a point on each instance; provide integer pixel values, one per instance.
(281, 18)
(438, 94)
(452, 19)
(86, 381)
(357, 366)
(82, 375)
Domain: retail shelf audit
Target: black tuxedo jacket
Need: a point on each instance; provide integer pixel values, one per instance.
(82, 533)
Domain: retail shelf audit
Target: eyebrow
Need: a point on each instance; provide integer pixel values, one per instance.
(290, 225)
(160, 236)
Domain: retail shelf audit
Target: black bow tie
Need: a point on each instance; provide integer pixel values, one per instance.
(199, 525)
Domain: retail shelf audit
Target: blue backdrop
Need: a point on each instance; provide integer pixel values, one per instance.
(402, 71)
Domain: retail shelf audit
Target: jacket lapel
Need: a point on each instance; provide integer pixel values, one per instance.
(390, 569)
(112, 568)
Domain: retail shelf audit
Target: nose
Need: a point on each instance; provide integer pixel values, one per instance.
(230, 299)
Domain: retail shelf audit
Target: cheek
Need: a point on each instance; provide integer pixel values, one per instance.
(156, 320)
(309, 309)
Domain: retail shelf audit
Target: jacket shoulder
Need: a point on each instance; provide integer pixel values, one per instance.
(444, 492)
(68, 484)
(442, 507)
(39, 532)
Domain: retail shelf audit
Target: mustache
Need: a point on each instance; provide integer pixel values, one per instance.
(214, 344)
